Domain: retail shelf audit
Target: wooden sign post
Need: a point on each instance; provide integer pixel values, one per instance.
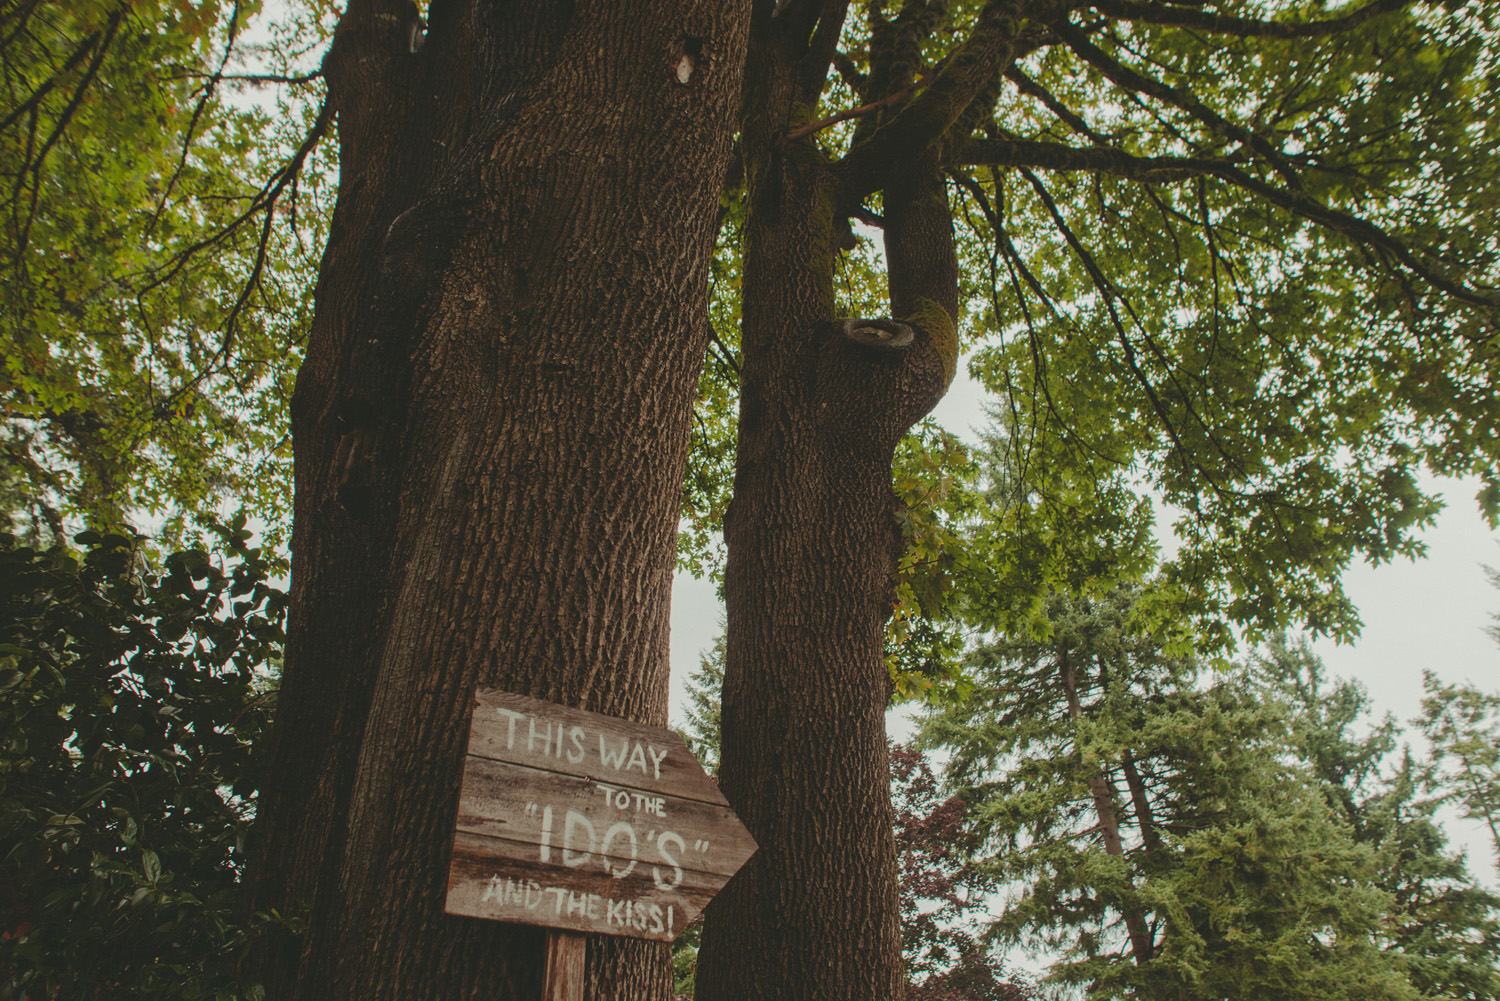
(581, 823)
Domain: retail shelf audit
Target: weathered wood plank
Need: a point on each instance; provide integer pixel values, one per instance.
(563, 980)
(525, 731)
(569, 816)
(484, 882)
(577, 821)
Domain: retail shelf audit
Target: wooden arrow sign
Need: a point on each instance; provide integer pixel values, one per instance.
(575, 820)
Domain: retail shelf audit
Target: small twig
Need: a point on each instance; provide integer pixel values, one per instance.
(79, 52)
(844, 116)
(207, 95)
(264, 201)
(253, 77)
(34, 166)
(725, 355)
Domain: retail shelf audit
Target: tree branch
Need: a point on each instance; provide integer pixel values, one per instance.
(81, 50)
(725, 355)
(204, 100)
(926, 119)
(1223, 24)
(850, 74)
(1132, 80)
(844, 116)
(253, 77)
(821, 49)
(1057, 157)
(34, 166)
(1016, 267)
(1110, 293)
(265, 200)
(1026, 85)
(1104, 159)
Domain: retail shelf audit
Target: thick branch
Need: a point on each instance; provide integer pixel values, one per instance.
(1057, 157)
(895, 55)
(1132, 80)
(1103, 159)
(924, 121)
(821, 48)
(1223, 24)
(1144, 817)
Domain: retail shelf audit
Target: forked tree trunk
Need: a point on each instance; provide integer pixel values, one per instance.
(813, 548)
(490, 430)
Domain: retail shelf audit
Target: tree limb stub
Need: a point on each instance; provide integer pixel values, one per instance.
(878, 333)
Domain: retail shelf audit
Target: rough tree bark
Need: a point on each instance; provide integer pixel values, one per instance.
(812, 538)
(490, 430)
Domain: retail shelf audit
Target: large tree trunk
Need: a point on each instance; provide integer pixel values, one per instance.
(491, 429)
(813, 547)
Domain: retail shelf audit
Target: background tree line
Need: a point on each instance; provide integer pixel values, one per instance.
(1157, 825)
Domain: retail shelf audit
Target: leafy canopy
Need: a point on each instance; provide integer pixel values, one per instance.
(1227, 265)
(157, 240)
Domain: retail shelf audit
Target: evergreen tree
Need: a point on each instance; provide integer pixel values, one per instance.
(1445, 925)
(1158, 828)
(704, 690)
(1442, 922)
(1494, 628)
(1462, 724)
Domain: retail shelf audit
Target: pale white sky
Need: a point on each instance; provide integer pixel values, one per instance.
(1430, 615)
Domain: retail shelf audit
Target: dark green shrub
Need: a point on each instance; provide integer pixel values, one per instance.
(131, 697)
